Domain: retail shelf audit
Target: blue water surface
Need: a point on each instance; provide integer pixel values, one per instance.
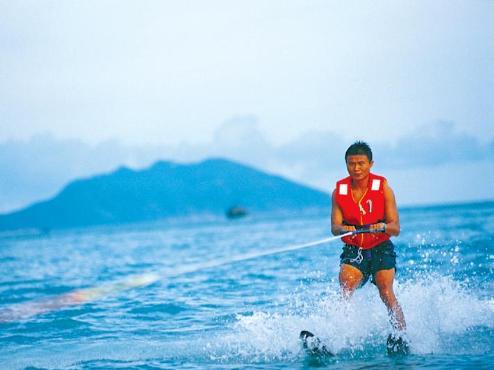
(163, 295)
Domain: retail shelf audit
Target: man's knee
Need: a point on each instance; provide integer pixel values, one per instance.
(386, 293)
(384, 283)
(350, 277)
(350, 273)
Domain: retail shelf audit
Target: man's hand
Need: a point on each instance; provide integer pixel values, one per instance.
(378, 228)
(346, 228)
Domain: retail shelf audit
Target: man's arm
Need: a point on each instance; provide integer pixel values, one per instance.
(392, 219)
(337, 227)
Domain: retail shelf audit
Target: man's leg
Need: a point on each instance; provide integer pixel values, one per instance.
(384, 282)
(350, 279)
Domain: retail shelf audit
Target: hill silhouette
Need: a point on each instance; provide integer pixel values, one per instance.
(165, 189)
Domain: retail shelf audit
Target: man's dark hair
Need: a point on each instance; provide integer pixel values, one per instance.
(359, 148)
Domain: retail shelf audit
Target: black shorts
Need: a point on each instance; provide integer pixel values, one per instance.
(370, 261)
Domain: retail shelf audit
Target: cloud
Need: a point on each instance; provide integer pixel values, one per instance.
(39, 168)
(240, 138)
(432, 145)
(316, 158)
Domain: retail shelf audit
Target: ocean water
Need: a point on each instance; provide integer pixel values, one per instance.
(183, 294)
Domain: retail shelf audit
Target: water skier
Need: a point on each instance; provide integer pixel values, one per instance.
(364, 200)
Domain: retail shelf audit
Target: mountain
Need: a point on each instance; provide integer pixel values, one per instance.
(165, 189)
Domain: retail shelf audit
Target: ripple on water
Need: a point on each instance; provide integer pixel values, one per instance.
(166, 308)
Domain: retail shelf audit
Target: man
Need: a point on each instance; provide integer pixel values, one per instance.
(364, 200)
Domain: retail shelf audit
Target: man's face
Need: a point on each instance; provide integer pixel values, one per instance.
(358, 166)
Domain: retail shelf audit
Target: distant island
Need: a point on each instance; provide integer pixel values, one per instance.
(165, 189)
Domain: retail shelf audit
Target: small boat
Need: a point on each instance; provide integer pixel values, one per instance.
(236, 212)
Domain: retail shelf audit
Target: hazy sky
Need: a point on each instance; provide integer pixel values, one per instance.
(173, 71)
(283, 85)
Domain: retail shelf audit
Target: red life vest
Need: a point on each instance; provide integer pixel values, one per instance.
(369, 210)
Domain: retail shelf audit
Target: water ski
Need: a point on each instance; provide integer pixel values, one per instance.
(397, 345)
(313, 346)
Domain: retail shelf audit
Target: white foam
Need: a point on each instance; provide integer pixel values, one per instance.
(436, 309)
